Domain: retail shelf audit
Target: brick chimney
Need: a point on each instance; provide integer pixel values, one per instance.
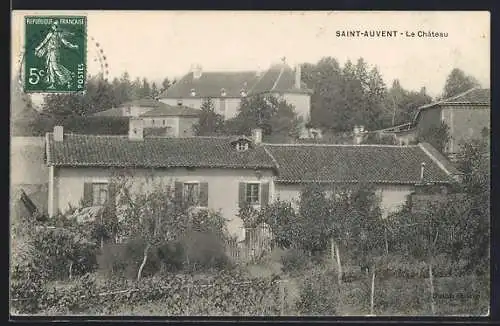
(58, 133)
(297, 76)
(257, 135)
(135, 129)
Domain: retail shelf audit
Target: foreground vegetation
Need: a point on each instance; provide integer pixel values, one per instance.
(333, 255)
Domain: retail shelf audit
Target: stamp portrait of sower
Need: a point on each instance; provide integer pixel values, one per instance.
(55, 57)
(56, 73)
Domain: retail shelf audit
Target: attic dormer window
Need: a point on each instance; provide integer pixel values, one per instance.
(241, 146)
(193, 92)
(223, 92)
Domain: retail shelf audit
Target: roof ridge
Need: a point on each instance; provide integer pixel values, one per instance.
(340, 145)
(89, 135)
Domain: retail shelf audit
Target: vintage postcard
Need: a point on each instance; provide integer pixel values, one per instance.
(231, 163)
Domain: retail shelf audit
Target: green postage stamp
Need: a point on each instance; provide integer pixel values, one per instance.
(55, 54)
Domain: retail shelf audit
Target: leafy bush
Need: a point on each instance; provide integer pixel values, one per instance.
(26, 278)
(62, 250)
(319, 294)
(295, 261)
(204, 251)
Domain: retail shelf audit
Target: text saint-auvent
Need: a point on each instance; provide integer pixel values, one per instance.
(367, 33)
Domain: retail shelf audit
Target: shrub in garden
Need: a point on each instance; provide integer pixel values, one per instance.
(204, 251)
(171, 256)
(64, 252)
(26, 278)
(319, 294)
(295, 260)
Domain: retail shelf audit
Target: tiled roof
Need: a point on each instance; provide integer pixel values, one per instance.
(354, 163)
(119, 151)
(480, 97)
(472, 96)
(279, 78)
(294, 163)
(170, 110)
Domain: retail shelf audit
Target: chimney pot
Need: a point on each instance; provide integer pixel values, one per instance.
(58, 133)
(257, 135)
(422, 169)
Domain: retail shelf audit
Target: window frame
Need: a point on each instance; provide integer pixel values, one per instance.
(248, 196)
(99, 184)
(185, 193)
(242, 146)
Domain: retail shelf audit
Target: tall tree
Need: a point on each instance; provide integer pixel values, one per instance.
(458, 82)
(165, 85)
(403, 104)
(137, 89)
(209, 123)
(273, 115)
(145, 89)
(327, 104)
(154, 90)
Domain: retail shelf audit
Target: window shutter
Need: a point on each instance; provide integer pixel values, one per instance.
(204, 194)
(242, 189)
(178, 192)
(264, 194)
(87, 194)
(112, 195)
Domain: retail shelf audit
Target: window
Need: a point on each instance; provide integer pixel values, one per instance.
(163, 121)
(252, 193)
(240, 147)
(191, 193)
(153, 122)
(99, 194)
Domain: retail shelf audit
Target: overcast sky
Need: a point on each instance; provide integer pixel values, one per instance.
(159, 44)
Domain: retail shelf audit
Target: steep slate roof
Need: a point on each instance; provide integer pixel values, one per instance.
(478, 97)
(119, 151)
(210, 84)
(170, 111)
(279, 78)
(354, 163)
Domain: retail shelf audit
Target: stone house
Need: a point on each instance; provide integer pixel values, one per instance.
(223, 173)
(226, 89)
(467, 115)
